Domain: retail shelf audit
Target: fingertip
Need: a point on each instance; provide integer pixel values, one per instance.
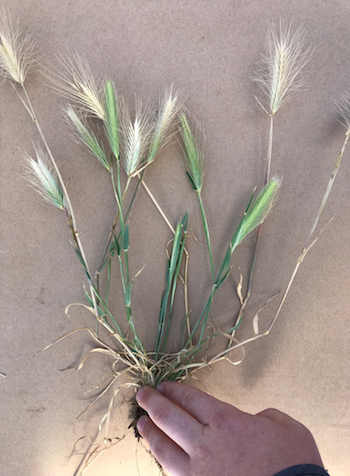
(141, 423)
(139, 394)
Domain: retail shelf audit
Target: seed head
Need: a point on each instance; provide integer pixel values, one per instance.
(135, 136)
(259, 209)
(85, 135)
(79, 86)
(42, 178)
(16, 50)
(169, 109)
(193, 154)
(343, 108)
(279, 70)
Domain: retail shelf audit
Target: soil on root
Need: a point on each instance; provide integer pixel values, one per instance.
(136, 412)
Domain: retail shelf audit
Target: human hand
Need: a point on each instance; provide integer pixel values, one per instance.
(191, 433)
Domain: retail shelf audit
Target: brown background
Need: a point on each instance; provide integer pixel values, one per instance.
(209, 50)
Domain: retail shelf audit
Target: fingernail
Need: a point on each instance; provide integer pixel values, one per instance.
(141, 423)
(160, 387)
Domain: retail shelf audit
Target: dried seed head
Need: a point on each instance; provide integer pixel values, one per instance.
(169, 109)
(42, 177)
(85, 135)
(135, 136)
(343, 108)
(16, 50)
(279, 70)
(79, 86)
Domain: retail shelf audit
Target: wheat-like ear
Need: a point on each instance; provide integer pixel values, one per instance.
(42, 177)
(192, 153)
(79, 85)
(16, 49)
(135, 136)
(279, 70)
(86, 135)
(169, 109)
(343, 108)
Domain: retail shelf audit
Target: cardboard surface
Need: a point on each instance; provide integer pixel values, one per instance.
(209, 50)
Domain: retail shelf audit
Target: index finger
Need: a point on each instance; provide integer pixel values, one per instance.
(200, 405)
(174, 422)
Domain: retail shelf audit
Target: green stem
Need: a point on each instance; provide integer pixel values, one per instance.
(107, 253)
(269, 151)
(206, 230)
(108, 279)
(95, 292)
(172, 274)
(205, 313)
(253, 264)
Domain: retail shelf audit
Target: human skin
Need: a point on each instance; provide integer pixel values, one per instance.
(191, 433)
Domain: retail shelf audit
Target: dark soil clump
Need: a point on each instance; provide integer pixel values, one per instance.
(136, 413)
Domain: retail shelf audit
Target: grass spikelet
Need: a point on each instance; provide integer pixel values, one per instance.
(86, 136)
(258, 210)
(169, 110)
(135, 136)
(112, 117)
(255, 213)
(79, 86)
(343, 108)
(279, 72)
(193, 155)
(41, 176)
(16, 50)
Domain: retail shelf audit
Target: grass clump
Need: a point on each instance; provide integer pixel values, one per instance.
(127, 143)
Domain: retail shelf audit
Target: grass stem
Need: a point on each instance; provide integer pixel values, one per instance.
(256, 242)
(33, 116)
(206, 230)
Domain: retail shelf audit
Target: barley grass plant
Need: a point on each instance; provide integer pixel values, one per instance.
(126, 143)
(279, 78)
